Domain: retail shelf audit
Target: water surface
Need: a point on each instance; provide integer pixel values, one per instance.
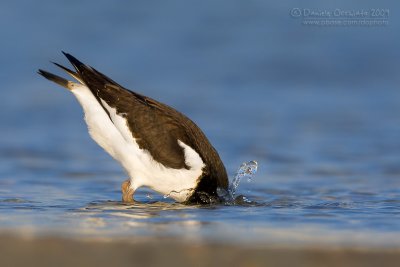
(318, 108)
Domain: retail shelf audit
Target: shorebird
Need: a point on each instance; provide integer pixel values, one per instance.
(158, 146)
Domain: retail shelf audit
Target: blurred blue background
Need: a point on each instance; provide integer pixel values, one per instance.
(317, 106)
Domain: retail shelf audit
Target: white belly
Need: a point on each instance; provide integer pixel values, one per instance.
(114, 137)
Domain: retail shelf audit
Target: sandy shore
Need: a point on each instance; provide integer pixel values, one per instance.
(55, 251)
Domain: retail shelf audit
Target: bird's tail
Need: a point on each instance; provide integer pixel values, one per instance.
(59, 80)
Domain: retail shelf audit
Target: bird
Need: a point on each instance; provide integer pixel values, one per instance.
(157, 146)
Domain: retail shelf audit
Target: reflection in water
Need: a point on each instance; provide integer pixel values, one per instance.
(278, 214)
(277, 206)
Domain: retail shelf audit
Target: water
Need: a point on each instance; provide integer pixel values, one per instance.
(318, 108)
(246, 170)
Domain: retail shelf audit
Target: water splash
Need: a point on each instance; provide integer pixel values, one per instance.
(246, 170)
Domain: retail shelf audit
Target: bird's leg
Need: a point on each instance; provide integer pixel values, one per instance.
(127, 192)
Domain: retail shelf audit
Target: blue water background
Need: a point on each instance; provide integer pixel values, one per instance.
(317, 107)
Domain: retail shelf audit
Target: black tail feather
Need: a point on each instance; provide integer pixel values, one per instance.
(69, 71)
(52, 77)
(75, 62)
(88, 74)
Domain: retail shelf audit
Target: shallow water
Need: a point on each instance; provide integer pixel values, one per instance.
(318, 110)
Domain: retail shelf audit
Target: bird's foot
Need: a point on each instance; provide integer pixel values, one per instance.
(127, 192)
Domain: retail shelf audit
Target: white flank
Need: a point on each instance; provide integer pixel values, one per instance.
(116, 138)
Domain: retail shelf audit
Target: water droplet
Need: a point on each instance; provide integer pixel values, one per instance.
(248, 170)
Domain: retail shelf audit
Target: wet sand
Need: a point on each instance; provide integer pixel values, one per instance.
(56, 251)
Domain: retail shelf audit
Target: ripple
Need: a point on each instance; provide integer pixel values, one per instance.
(16, 200)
